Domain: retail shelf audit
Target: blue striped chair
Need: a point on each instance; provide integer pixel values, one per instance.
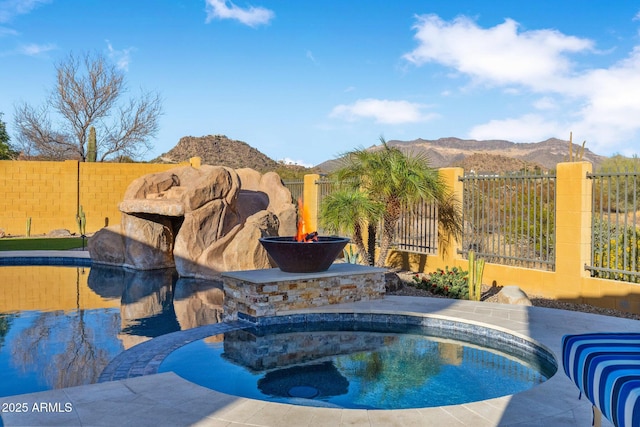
(606, 368)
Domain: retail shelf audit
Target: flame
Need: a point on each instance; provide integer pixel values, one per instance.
(304, 234)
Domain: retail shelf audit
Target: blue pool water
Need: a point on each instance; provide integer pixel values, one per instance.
(355, 366)
(61, 325)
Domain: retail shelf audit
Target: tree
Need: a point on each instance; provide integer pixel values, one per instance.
(6, 151)
(351, 211)
(393, 180)
(89, 92)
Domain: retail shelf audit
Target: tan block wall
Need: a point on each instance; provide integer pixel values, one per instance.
(102, 187)
(50, 193)
(44, 191)
(48, 288)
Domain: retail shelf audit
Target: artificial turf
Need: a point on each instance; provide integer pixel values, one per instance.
(35, 243)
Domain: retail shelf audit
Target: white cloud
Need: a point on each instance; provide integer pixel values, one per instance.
(528, 128)
(122, 58)
(35, 49)
(4, 31)
(500, 55)
(545, 103)
(9, 9)
(602, 105)
(288, 161)
(382, 110)
(251, 16)
(310, 56)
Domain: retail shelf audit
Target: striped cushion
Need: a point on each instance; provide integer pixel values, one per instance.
(606, 368)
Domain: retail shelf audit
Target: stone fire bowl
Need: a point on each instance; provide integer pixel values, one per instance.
(303, 257)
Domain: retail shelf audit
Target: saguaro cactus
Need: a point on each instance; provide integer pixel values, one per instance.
(92, 149)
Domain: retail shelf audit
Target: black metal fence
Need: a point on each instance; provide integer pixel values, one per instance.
(296, 188)
(510, 219)
(417, 230)
(615, 229)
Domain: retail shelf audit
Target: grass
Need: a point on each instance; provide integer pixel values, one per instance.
(32, 244)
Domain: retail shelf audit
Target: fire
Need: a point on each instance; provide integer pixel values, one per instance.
(304, 234)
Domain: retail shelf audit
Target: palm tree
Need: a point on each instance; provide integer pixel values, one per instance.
(350, 211)
(393, 180)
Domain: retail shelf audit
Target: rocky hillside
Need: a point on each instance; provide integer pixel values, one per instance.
(481, 156)
(219, 150)
(449, 151)
(484, 162)
(489, 156)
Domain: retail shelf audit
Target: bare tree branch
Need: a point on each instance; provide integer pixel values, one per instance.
(89, 92)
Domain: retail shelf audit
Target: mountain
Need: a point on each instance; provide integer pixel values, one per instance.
(481, 156)
(218, 150)
(489, 155)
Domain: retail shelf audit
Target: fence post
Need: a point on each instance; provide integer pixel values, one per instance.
(195, 162)
(447, 249)
(573, 225)
(310, 199)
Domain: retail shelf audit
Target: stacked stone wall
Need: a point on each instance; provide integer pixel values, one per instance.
(282, 295)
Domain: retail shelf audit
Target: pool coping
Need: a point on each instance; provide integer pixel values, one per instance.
(71, 257)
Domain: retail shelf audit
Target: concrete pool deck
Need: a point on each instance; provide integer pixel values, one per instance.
(168, 400)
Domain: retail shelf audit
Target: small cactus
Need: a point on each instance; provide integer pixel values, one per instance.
(476, 269)
(81, 219)
(92, 150)
(350, 256)
(29, 227)
(579, 156)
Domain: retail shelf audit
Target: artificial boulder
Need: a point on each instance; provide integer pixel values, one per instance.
(202, 221)
(513, 295)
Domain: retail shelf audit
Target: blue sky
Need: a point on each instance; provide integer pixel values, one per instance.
(305, 81)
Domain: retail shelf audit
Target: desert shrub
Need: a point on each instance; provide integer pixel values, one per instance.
(450, 283)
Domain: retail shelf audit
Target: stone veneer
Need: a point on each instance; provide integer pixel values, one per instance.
(258, 293)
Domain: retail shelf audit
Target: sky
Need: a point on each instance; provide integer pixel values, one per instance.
(306, 81)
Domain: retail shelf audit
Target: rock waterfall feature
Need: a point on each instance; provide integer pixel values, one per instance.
(202, 221)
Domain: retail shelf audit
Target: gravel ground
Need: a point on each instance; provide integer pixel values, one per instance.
(489, 294)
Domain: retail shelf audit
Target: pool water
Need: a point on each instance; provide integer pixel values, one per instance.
(348, 366)
(60, 326)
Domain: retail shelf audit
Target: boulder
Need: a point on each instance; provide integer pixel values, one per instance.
(201, 221)
(512, 295)
(152, 183)
(245, 251)
(148, 241)
(59, 232)
(106, 246)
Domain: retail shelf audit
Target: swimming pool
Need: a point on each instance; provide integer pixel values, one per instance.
(402, 363)
(61, 325)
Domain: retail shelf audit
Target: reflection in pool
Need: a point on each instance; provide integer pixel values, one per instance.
(358, 365)
(60, 326)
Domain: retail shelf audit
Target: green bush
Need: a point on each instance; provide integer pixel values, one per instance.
(450, 283)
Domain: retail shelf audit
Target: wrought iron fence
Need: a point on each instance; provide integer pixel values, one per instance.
(615, 229)
(417, 230)
(296, 188)
(510, 219)
(325, 187)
